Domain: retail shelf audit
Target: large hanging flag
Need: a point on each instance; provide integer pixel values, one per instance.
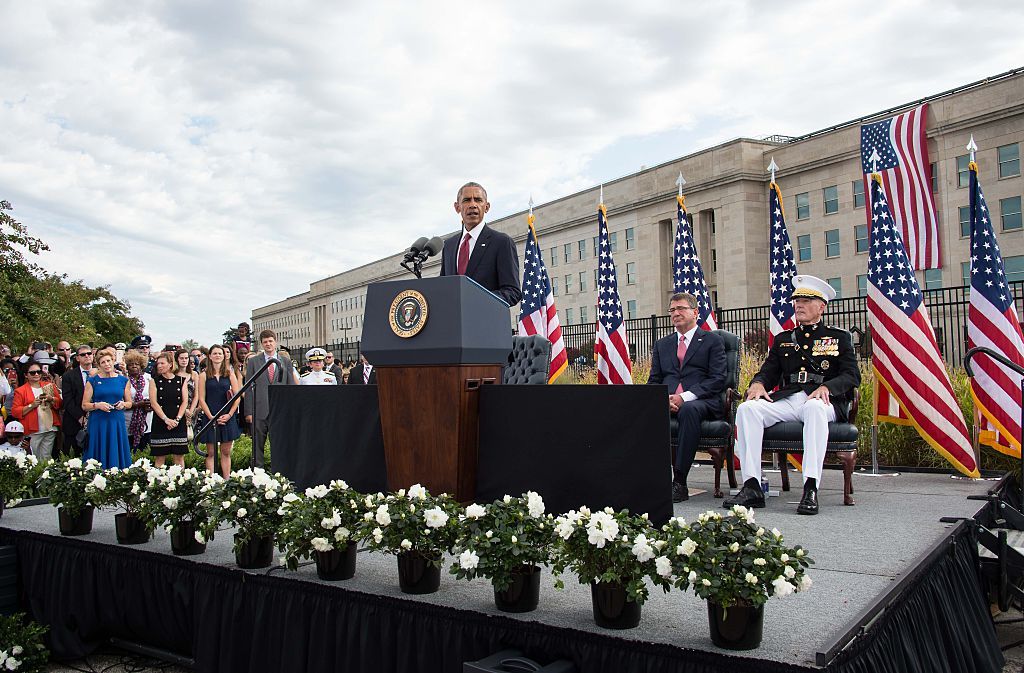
(906, 357)
(688, 274)
(907, 177)
(783, 267)
(539, 315)
(611, 347)
(992, 322)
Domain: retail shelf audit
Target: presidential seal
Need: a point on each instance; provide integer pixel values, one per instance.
(408, 313)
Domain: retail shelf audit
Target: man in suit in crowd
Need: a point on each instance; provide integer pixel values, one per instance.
(690, 362)
(487, 256)
(257, 405)
(363, 373)
(333, 367)
(815, 369)
(72, 387)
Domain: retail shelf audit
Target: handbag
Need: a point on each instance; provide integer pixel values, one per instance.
(82, 437)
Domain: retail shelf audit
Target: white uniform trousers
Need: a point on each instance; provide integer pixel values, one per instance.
(753, 416)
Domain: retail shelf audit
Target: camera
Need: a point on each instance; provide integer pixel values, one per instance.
(38, 345)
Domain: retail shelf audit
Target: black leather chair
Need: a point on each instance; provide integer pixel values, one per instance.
(717, 436)
(786, 438)
(529, 361)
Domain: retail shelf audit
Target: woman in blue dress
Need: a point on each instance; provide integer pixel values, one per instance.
(107, 394)
(217, 384)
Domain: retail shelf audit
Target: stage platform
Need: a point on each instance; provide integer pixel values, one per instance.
(205, 609)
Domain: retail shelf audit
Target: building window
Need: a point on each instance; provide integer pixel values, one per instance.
(554, 286)
(714, 260)
(567, 250)
(858, 193)
(934, 167)
(860, 235)
(1009, 212)
(584, 318)
(568, 284)
(711, 217)
(831, 199)
(803, 245)
(965, 221)
(932, 279)
(803, 206)
(630, 239)
(1014, 267)
(583, 281)
(862, 285)
(582, 245)
(596, 239)
(962, 178)
(554, 256)
(837, 285)
(597, 273)
(568, 316)
(832, 243)
(613, 241)
(631, 309)
(965, 272)
(631, 273)
(1009, 160)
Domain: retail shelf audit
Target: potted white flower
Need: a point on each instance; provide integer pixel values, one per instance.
(325, 523)
(74, 488)
(250, 500)
(16, 471)
(418, 528)
(21, 645)
(507, 541)
(126, 489)
(180, 499)
(736, 566)
(614, 552)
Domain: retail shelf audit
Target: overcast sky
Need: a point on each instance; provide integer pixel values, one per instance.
(205, 158)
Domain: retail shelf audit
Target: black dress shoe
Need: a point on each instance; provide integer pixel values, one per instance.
(808, 503)
(750, 495)
(680, 493)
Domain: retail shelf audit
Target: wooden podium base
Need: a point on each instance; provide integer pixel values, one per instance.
(429, 418)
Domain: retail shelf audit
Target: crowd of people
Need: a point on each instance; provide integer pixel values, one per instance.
(109, 402)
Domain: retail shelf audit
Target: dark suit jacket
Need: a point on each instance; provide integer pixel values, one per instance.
(71, 390)
(355, 375)
(494, 263)
(703, 371)
(256, 397)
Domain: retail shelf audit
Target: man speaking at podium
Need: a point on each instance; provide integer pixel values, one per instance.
(485, 255)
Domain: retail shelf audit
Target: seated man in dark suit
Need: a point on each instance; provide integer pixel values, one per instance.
(690, 362)
(487, 256)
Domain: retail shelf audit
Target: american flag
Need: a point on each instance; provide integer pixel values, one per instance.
(907, 177)
(538, 312)
(992, 322)
(611, 349)
(783, 268)
(688, 273)
(905, 356)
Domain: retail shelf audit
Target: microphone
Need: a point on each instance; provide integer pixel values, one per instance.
(416, 248)
(434, 246)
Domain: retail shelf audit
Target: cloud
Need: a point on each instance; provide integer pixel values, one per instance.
(207, 158)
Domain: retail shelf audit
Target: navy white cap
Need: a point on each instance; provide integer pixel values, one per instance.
(812, 287)
(316, 354)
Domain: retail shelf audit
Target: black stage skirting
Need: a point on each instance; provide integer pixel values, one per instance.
(575, 445)
(229, 620)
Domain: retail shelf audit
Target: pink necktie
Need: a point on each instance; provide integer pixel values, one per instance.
(464, 255)
(271, 370)
(680, 354)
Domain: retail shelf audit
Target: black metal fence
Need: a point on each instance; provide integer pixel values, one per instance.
(947, 308)
(344, 352)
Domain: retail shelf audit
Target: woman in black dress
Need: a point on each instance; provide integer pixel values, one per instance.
(168, 395)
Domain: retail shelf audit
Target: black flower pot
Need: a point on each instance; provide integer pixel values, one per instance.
(612, 609)
(416, 573)
(524, 592)
(130, 529)
(3, 505)
(183, 540)
(738, 627)
(75, 525)
(257, 552)
(336, 565)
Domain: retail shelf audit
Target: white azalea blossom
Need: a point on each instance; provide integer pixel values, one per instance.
(734, 547)
(290, 497)
(171, 503)
(200, 538)
(642, 549)
(760, 561)
(475, 511)
(74, 464)
(534, 504)
(378, 535)
(99, 482)
(686, 547)
(602, 528)
(784, 558)
(751, 577)
(342, 534)
(406, 544)
(692, 577)
(317, 491)
(321, 544)
(382, 516)
(663, 565)
(435, 517)
(468, 560)
(805, 582)
(241, 512)
(706, 582)
(789, 572)
(418, 492)
(782, 587)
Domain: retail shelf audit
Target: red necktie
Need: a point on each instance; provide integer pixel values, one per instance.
(464, 255)
(680, 353)
(271, 370)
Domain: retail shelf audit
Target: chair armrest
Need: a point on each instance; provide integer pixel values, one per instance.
(732, 400)
(855, 404)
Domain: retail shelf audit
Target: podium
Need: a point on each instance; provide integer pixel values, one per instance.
(434, 342)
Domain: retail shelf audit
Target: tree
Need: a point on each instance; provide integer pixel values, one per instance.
(189, 344)
(36, 304)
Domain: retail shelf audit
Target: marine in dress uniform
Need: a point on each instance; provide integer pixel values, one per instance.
(815, 369)
(317, 376)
